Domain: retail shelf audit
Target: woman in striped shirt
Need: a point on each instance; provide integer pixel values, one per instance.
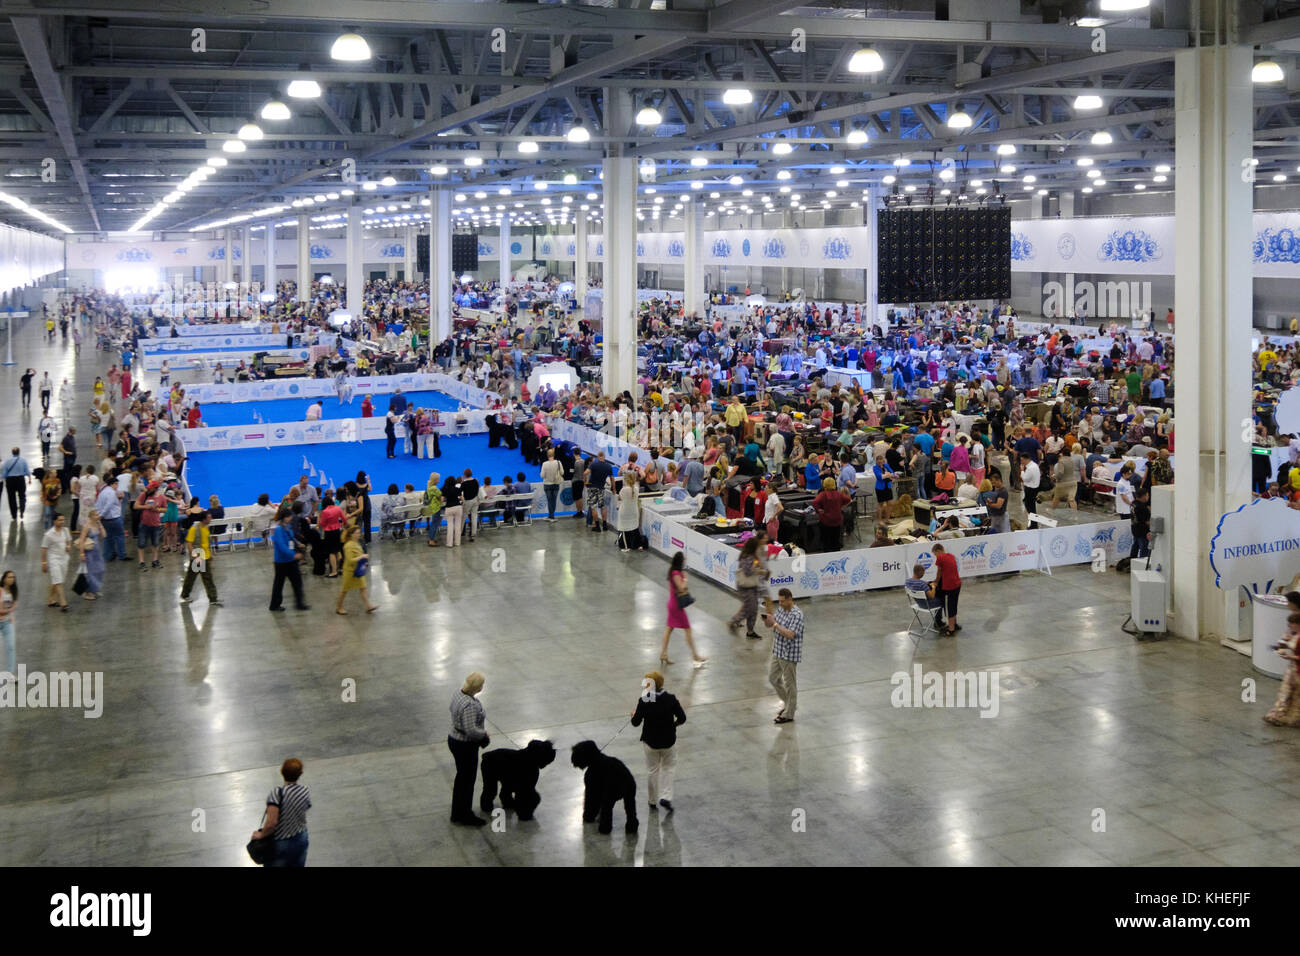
(286, 818)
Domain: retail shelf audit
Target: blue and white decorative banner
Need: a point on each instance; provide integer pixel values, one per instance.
(1141, 245)
(836, 247)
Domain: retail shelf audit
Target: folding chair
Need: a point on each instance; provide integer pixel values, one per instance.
(924, 619)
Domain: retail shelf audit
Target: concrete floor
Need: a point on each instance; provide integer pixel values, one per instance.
(203, 704)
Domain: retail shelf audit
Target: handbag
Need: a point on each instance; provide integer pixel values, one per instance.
(260, 850)
(81, 585)
(363, 565)
(685, 599)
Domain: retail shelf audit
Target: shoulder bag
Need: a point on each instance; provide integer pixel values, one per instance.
(260, 850)
(363, 565)
(81, 585)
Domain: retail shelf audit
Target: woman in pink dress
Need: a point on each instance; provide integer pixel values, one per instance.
(676, 613)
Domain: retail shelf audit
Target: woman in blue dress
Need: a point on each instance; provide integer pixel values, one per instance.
(88, 546)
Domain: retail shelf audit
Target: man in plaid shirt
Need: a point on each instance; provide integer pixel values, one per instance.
(786, 623)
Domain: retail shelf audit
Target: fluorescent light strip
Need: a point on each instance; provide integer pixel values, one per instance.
(32, 211)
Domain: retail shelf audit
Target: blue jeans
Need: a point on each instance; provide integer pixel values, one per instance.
(435, 522)
(114, 539)
(552, 496)
(7, 631)
(290, 852)
(47, 518)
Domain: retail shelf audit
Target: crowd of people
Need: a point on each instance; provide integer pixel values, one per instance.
(795, 402)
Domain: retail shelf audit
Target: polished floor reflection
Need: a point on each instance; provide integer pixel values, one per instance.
(1151, 739)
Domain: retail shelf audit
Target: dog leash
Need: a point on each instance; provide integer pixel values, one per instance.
(626, 724)
(503, 733)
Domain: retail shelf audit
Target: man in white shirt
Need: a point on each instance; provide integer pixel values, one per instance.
(1030, 477)
(1124, 493)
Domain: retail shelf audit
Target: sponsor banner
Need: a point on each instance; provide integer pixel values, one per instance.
(276, 434)
(324, 388)
(229, 341)
(228, 359)
(591, 441)
(867, 569)
(1074, 544)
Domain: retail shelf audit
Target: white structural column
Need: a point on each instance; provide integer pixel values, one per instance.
(503, 253)
(355, 281)
(440, 265)
(1065, 204)
(1213, 104)
(580, 260)
(619, 319)
(408, 254)
(693, 284)
(304, 260)
(227, 260)
(246, 257)
(269, 249)
(871, 281)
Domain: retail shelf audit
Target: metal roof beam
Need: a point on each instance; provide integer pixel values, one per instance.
(31, 37)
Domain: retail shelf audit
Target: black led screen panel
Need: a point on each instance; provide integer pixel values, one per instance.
(937, 255)
(464, 252)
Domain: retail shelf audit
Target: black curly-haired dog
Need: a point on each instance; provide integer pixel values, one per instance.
(515, 772)
(606, 781)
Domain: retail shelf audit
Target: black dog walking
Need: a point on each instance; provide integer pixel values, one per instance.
(516, 773)
(606, 781)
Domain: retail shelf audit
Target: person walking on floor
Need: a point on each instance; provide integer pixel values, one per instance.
(286, 818)
(17, 477)
(46, 392)
(455, 505)
(662, 714)
(25, 387)
(9, 604)
(56, 545)
(1285, 711)
(947, 586)
(68, 448)
(109, 505)
(433, 508)
(287, 551)
(1030, 477)
(356, 568)
(45, 430)
(92, 556)
(786, 623)
(199, 540)
(751, 577)
(677, 591)
(468, 735)
(552, 475)
(469, 492)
